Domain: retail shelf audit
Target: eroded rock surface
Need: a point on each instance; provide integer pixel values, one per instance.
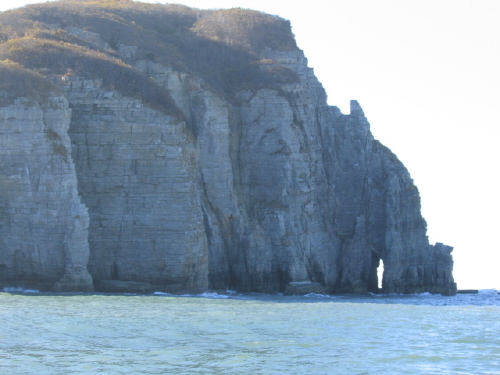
(266, 190)
(44, 225)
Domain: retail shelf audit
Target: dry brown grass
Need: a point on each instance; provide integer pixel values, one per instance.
(16, 81)
(222, 47)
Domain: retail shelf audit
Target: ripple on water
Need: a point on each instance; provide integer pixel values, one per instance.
(87, 334)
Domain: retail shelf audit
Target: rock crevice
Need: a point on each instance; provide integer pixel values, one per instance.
(269, 190)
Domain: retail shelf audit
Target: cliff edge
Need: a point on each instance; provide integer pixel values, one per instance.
(162, 148)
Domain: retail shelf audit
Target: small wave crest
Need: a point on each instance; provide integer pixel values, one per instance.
(424, 294)
(162, 294)
(317, 295)
(488, 291)
(19, 290)
(212, 295)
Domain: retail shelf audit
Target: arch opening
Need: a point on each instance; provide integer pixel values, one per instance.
(380, 274)
(375, 281)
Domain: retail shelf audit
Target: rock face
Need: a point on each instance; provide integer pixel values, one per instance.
(44, 225)
(268, 189)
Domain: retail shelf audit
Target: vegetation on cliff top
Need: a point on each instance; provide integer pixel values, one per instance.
(16, 81)
(222, 46)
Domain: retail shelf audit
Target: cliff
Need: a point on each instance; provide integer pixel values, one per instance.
(157, 147)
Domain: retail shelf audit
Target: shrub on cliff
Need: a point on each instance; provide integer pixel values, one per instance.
(249, 30)
(16, 81)
(221, 47)
(53, 57)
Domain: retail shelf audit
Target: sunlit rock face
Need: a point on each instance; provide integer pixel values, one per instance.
(43, 224)
(257, 187)
(138, 175)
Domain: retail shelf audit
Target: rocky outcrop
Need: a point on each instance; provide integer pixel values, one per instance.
(44, 225)
(138, 176)
(268, 189)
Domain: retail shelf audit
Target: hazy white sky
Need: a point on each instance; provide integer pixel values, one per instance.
(427, 74)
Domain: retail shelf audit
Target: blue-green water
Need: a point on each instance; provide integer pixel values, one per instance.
(249, 334)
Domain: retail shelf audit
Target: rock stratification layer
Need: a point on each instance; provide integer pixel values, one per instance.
(44, 225)
(174, 177)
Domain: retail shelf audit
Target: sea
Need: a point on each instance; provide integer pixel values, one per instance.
(234, 333)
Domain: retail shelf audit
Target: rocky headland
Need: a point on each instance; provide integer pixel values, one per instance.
(161, 148)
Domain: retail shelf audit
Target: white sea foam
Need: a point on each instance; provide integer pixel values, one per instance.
(317, 295)
(19, 290)
(162, 294)
(488, 291)
(213, 295)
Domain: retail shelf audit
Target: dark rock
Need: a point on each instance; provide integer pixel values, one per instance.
(304, 287)
(119, 286)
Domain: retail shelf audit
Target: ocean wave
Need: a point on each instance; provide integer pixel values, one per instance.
(488, 291)
(19, 290)
(212, 295)
(317, 295)
(424, 294)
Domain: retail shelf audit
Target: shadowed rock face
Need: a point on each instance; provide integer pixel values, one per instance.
(267, 189)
